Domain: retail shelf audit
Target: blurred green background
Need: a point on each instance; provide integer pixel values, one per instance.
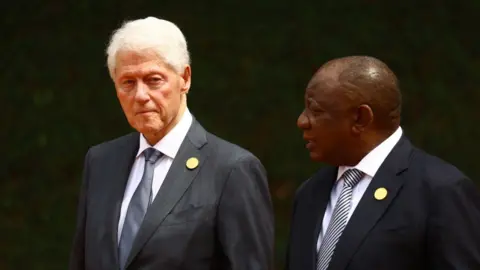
(250, 62)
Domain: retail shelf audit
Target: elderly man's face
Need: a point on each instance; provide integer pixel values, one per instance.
(325, 123)
(150, 92)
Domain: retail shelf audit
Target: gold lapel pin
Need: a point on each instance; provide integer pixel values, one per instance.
(192, 163)
(380, 193)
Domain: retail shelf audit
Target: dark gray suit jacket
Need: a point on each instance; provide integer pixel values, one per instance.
(430, 218)
(215, 216)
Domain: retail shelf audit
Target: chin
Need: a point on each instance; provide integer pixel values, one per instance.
(316, 157)
(150, 128)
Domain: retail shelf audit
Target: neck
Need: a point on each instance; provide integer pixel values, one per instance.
(367, 144)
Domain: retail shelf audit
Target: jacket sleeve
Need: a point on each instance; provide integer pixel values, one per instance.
(298, 194)
(245, 217)
(77, 253)
(454, 227)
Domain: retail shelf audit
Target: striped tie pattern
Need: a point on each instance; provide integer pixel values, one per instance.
(141, 199)
(339, 218)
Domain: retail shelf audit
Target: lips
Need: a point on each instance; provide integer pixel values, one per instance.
(310, 143)
(146, 111)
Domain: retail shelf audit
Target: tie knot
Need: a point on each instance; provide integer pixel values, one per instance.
(152, 155)
(352, 176)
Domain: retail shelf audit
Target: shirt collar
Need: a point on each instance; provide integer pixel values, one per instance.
(373, 160)
(170, 143)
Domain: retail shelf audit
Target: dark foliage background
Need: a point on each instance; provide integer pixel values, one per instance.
(251, 62)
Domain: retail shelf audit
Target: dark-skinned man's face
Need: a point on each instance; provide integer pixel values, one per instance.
(326, 122)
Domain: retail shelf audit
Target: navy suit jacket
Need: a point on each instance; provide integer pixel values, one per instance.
(430, 218)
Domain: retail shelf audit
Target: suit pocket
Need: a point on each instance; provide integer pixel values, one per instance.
(191, 214)
(397, 227)
(401, 232)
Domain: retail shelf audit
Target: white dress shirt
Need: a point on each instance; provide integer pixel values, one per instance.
(168, 146)
(368, 165)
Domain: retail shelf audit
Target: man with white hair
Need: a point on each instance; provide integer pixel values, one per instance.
(170, 195)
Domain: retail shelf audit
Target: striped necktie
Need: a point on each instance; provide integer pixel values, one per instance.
(339, 218)
(139, 203)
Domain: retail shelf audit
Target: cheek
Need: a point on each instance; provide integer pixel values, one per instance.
(324, 128)
(330, 135)
(161, 100)
(167, 100)
(126, 102)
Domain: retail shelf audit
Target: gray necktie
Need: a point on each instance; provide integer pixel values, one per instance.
(138, 206)
(339, 218)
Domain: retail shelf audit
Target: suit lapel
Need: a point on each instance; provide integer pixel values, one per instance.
(370, 210)
(176, 182)
(119, 168)
(320, 196)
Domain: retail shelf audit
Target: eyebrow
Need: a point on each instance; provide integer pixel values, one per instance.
(312, 101)
(147, 72)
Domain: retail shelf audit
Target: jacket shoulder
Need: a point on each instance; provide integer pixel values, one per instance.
(114, 145)
(308, 184)
(227, 151)
(437, 171)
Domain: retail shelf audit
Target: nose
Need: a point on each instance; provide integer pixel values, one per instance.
(141, 93)
(303, 122)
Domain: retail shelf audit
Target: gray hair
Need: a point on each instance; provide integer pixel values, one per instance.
(161, 36)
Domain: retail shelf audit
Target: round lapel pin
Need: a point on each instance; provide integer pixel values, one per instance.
(380, 193)
(192, 163)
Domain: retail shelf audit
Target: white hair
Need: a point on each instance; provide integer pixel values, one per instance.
(161, 36)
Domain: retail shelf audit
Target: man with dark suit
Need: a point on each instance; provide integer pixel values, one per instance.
(380, 203)
(171, 195)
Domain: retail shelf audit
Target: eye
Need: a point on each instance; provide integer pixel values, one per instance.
(128, 82)
(154, 79)
(313, 106)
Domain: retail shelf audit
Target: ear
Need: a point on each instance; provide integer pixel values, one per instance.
(362, 119)
(187, 79)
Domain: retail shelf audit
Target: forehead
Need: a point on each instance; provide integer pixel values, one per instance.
(321, 87)
(328, 93)
(131, 62)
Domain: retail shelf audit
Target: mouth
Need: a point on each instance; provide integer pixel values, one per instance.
(309, 142)
(145, 112)
(310, 145)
